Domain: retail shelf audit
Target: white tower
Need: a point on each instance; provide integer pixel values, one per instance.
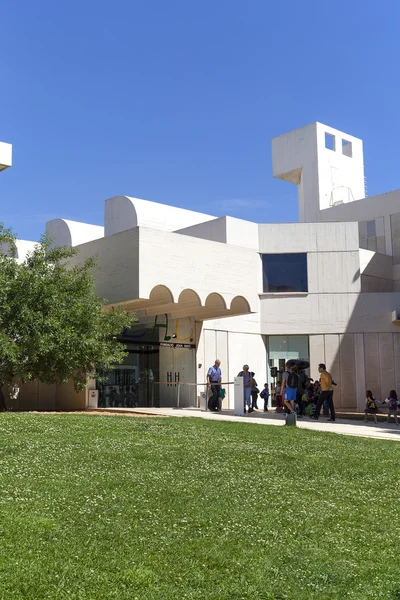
(327, 165)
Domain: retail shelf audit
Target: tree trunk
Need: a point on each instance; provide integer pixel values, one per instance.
(3, 405)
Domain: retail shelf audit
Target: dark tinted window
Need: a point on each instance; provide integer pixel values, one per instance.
(285, 273)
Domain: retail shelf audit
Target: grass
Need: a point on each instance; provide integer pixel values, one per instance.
(95, 507)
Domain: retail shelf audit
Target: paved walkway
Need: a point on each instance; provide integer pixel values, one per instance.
(381, 431)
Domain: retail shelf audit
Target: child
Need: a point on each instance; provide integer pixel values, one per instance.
(371, 406)
(278, 397)
(265, 396)
(393, 404)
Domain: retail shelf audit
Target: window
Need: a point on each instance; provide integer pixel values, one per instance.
(347, 148)
(330, 142)
(285, 273)
(371, 229)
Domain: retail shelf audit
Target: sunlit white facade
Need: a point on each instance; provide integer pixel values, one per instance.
(326, 288)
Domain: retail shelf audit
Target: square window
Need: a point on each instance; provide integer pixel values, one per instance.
(330, 143)
(347, 148)
(285, 273)
(371, 229)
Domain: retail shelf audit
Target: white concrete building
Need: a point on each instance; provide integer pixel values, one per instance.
(326, 288)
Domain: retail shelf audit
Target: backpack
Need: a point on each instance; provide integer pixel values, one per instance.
(293, 380)
(393, 403)
(371, 403)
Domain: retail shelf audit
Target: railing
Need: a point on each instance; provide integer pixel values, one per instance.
(169, 384)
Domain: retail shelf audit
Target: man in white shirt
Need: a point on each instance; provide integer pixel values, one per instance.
(214, 378)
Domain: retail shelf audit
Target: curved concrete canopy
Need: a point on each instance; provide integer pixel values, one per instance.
(72, 233)
(187, 304)
(122, 213)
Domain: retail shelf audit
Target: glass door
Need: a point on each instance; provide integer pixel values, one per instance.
(132, 384)
(281, 348)
(177, 366)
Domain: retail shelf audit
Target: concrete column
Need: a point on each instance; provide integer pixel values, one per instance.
(317, 354)
(238, 396)
(359, 364)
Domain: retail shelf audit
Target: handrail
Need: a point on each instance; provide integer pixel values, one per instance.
(179, 383)
(185, 383)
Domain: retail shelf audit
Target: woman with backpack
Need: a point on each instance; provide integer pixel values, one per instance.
(393, 404)
(290, 382)
(371, 406)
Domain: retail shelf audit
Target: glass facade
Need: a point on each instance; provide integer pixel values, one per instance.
(285, 273)
(161, 354)
(132, 383)
(281, 348)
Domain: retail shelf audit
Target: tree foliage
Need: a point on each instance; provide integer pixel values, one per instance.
(52, 324)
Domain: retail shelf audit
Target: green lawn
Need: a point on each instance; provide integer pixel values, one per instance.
(117, 507)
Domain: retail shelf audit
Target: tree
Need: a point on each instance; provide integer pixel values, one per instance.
(53, 326)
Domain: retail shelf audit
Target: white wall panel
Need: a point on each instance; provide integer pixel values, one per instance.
(396, 353)
(347, 379)
(372, 363)
(386, 363)
(317, 354)
(359, 363)
(247, 349)
(222, 352)
(332, 356)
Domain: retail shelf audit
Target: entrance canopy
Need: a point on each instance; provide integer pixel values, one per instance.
(187, 304)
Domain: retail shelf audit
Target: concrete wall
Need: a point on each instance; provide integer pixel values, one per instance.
(376, 272)
(377, 242)
(214, 230)
(323, 176)
(181, 262)
(228, 230)
(20, 251)
(234, 349)
(117, 275)
(35, 395)
(72, 233)
(308, 237)
(122, 213)
(358, 362)
(377, 207)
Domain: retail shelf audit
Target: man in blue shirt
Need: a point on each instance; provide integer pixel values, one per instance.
(214, 378)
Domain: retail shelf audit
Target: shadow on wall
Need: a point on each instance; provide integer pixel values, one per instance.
(363, 361)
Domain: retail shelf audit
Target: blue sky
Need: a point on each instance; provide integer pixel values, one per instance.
(177, 101)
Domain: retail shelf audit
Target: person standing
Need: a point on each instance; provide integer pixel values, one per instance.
(290, 382)
(326, 392)
(247, 380)
(371, 406)
(301, 386)
(393, 405)
(254, 393)
(278, 397)
(265, 396)
(214, 378)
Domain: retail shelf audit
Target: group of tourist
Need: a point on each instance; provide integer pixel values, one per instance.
(304, 396)
(296, 393)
